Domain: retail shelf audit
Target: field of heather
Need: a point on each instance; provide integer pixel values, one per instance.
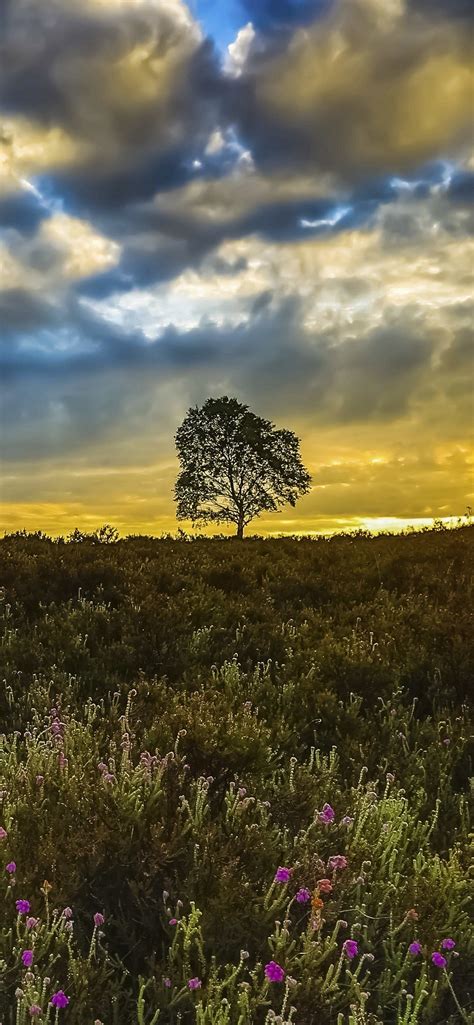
(234, 780)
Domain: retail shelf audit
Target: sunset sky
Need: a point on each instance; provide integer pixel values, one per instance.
(270, 199)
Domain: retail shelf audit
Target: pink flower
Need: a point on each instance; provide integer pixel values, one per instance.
(11, 867)
(194, 983)
(23, 907)
(414, 948)
(173, 921)
(27, 958)
(34, 1011)
(98, 919)
(448, 944)
(327, 814)
(67, 913)
(31, 923)
(274, 972)
(350, 949)
(438, 959)
(303, 895)
(167, 983)
(3, 833)
(282, 875)
(59, 999)
(325, 886)
(337, 861)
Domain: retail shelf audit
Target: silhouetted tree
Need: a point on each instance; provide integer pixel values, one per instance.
(235, 465)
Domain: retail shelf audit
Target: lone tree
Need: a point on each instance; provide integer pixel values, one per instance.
(235, 465)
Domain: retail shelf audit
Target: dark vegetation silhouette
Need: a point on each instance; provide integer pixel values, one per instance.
(235, 465)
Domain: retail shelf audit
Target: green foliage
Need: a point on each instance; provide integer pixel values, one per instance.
(176, 716)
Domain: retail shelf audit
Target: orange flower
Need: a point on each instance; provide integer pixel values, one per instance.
(317, 903)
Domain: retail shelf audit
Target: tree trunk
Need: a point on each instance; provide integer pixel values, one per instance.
(240, 529)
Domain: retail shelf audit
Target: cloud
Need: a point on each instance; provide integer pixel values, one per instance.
(113, 88)
(368, 88)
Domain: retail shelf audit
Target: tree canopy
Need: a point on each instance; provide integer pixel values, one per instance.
(235, 465)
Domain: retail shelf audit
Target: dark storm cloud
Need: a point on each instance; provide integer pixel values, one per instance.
(134, 89)
(63, 395)
(445, 8)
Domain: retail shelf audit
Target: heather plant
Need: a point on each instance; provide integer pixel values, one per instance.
(235, 807)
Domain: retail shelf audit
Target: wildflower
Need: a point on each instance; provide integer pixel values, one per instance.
(337, 861)
(413, 915)
(448, 944)
(3, 833)
(39, 781)
(167, 983)
(274, 972)
(173, 921)
(317, 903)
(11, 867)
(350, 949)
(22, 906)
(59, 999)
(98, 919)
(31, 923)
(27, 958)
(438, 959)
(34, 1011)
(325, 886)
(194, 983)
(109, 777)
(67, 913)
(327, 814)
(282, 875)
(414, 948)
(347, 821)
(303, 895)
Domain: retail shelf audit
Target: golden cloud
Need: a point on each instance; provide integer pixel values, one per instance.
(364, 90)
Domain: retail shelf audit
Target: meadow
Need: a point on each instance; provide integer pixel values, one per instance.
(234, 780)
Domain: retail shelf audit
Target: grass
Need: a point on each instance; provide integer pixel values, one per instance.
(182, 720)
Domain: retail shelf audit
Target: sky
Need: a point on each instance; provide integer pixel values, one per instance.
(269, 199)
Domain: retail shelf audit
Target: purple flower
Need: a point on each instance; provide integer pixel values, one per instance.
(448, 944)
(34, 1010)
(350, 949)
(282, 875)
(173, 921)
(167, 983)
(3, 833)
(98, 919)
(23, 907)
(337, 861)
(31, 923)
(327, 814)
(274, 972)
(59, 999)
(11, 867)
(303, 895)
(438, 959)
(27, 958)
(414, 948)
(67, 913)
(347, 821)
(194, 983)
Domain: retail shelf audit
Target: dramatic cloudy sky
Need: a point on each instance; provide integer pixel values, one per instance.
(270, 199)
